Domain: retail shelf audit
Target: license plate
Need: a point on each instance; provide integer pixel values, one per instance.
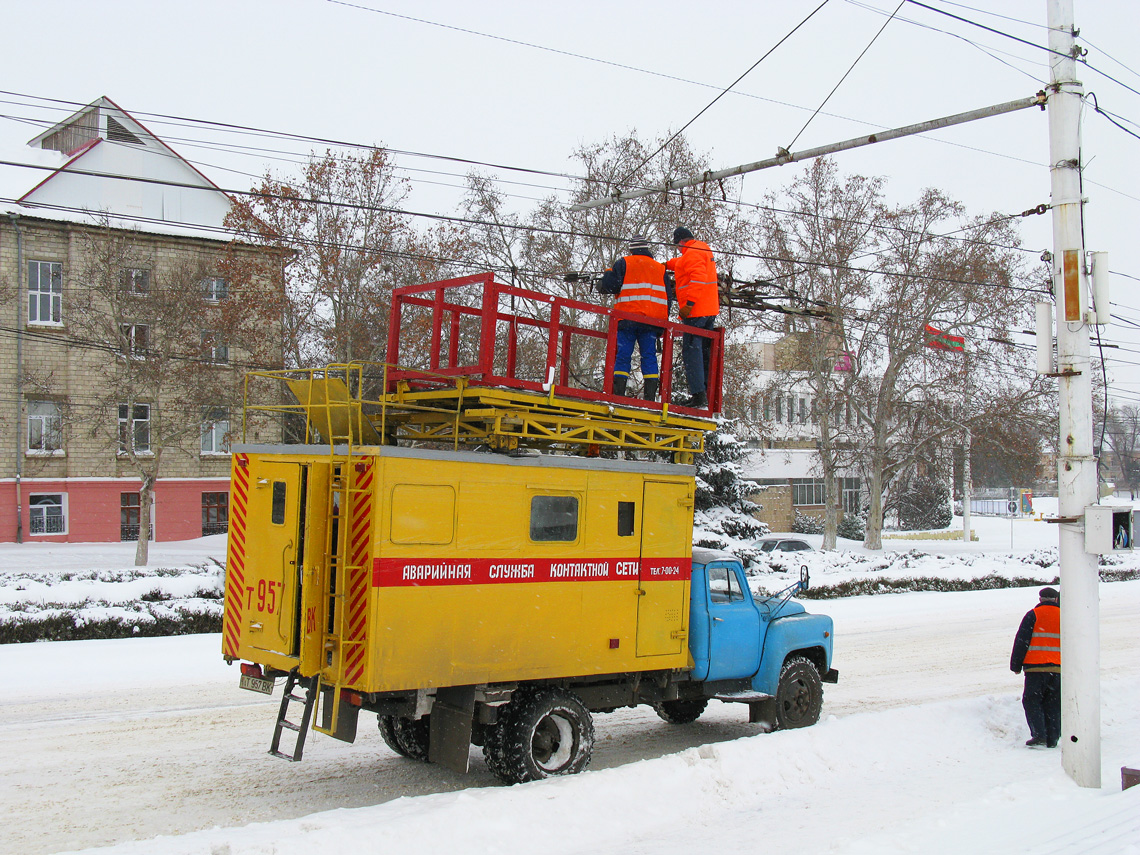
(256, 684)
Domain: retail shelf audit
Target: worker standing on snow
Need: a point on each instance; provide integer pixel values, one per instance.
(1037, 650)
(698, 304)
(638, 280)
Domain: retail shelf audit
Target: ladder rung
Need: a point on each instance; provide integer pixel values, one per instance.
(291, 726)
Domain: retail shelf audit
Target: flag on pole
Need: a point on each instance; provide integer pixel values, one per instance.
(939, 340)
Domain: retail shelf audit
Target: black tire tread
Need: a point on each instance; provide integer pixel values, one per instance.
(799, 695)
(681, 711)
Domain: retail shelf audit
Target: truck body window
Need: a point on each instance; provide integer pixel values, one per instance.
(554, 518)
(625, 519)
(278, 516)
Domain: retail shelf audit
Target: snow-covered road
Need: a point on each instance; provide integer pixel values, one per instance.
(104, 742)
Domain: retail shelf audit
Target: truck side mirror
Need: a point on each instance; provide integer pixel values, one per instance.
(804, 577)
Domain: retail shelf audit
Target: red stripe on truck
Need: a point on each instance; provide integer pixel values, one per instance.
(418, 572)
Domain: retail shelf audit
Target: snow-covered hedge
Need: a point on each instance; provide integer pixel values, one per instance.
(46, 605)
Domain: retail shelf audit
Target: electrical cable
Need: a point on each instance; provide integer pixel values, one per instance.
(729, 88)
(863, 53)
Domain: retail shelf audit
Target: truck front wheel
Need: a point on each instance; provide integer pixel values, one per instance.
(799, 696)
(541, 734)
(681, 712)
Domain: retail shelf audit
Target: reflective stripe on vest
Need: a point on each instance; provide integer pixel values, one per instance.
(643, 290)
(1045, 645)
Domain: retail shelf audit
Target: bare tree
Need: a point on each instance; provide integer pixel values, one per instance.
(341, 244)
(810, 237)
(1122, 432)
(163, 345)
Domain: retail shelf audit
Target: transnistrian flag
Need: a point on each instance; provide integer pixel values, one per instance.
(944, 341)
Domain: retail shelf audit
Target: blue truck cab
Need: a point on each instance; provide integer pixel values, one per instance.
(768, 652)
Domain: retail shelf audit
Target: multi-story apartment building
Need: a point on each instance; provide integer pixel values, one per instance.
(86, 249)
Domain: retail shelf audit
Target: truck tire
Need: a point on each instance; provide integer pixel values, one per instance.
(681, 712)
(411, 736)
(799, 695)
(540, 734)
(388, 733)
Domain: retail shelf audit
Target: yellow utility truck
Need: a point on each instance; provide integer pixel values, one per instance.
(491, 592)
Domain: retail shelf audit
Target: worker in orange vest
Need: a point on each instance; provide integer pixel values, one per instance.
(698, 304)
(1037, 650)
(638, 280)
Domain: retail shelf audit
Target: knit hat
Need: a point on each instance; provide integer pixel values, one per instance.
(1049, 595)
(636, 243)
(681, 233)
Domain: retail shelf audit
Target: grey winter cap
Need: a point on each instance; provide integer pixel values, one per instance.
(636, 243)
(1049, 595)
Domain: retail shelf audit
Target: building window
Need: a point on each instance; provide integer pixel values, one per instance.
(852, 493)
(803, 411)
(134, 428)
(779, 408)
(134, 339)
(807, 491)
(215, 513)
(129, 516)
(214, 349)
(554, 518)
(215, 288)
(45, 435)
(45, 292)
(135, 280)
(791, 409)
(215, 431)
(46, 514)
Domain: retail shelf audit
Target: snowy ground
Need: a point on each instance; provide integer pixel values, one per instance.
(920, 750)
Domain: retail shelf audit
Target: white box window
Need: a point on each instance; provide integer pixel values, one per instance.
(135, 280)
(215, 288)
(215, 431)
(47, 513)
(134, 428)
(214, 349)
(45, 427)
(134, 339)
(45, 293)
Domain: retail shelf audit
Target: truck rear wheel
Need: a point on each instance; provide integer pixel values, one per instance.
(541, 734)
(799, 695)
(388, 733)
(406, 737)
(681, 712)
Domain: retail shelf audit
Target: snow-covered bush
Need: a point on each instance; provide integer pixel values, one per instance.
(851, 527)
(807, 524)
(925, 506)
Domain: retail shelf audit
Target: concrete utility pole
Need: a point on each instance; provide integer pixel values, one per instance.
(1076, 466)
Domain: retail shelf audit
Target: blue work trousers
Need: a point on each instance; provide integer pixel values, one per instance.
(645, 336)
(695, 352)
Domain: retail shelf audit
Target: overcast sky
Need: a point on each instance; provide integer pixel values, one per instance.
(525, 83)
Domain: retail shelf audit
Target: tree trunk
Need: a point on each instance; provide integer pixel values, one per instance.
(873, 535)
(146, 494)
(831, 501)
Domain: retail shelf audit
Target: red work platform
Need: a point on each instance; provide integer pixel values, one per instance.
(500, 335)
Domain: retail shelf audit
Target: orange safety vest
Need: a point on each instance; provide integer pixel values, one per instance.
(643, 290)
(696, 279)
(1045, 645)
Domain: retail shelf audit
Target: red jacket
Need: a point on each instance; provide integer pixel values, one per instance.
(696, 279)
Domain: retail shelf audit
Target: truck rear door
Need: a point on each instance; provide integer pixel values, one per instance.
(278, 509)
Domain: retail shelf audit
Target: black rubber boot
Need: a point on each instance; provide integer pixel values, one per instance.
(650, 389)
(700, 401)
(620, 381)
